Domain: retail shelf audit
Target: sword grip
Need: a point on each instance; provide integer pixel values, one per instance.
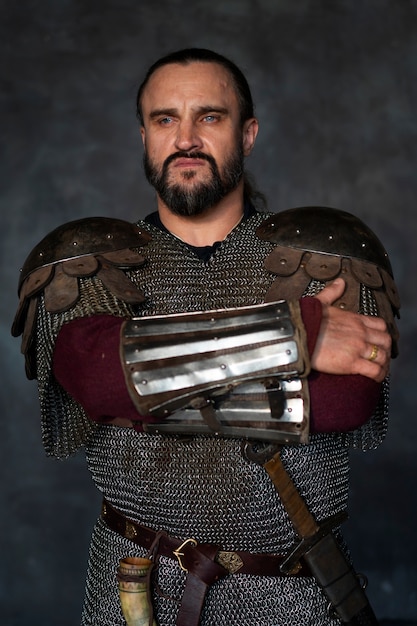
(300, 516)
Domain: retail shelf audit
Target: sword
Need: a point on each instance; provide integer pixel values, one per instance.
(317, 545)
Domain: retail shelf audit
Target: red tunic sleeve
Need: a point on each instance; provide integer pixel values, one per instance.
(337, 403)
(86, 363)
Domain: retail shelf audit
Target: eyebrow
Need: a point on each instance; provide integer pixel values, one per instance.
(200, 110)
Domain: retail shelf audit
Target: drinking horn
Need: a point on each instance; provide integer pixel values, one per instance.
(133, 576)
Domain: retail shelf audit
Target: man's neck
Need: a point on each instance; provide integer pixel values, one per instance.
(211, 226)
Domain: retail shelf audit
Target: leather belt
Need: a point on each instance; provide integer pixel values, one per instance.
(203, 563)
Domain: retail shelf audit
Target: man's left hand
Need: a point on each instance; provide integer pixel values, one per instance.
(350, 343)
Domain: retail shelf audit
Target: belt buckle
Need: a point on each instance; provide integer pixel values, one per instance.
(179, 554)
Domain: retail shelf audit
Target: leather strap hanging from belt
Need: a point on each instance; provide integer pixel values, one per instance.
(203, 563)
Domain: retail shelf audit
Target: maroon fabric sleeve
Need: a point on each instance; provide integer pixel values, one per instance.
(86, 363)
(337, 403)
(311, 314)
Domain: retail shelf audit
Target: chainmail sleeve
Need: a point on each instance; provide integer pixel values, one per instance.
(77, 270)
(65, 425)
(315, 245)
(373, 432)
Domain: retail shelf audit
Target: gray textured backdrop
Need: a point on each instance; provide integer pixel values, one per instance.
(335, 86)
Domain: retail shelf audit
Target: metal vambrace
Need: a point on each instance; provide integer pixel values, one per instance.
(232, 373)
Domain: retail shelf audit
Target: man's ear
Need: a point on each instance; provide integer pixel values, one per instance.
(250, 131)
(143, 134)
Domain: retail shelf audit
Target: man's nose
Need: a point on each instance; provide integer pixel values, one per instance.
(187, 136)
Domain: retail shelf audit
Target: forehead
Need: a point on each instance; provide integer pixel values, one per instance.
(198, 83)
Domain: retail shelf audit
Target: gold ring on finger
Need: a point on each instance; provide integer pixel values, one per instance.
(374, 353)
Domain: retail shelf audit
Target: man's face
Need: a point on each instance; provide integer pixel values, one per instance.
(193, 139)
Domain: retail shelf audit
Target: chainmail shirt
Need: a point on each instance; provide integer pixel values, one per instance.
(200, 487)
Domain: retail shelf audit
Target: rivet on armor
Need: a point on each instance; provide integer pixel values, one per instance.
(109, 236)
(144, 382)
(75, 243)
(222, 366)
(283, 261)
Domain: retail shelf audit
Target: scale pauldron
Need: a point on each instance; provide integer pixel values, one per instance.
(322, 243)
(93, 246)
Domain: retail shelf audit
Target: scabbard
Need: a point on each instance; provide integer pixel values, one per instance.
(339, 582)
(319, 549)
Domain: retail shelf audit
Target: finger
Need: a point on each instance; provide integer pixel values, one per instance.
(376, 362)
(332, 292)
(372, 321)
(379, 338)
(374, 370)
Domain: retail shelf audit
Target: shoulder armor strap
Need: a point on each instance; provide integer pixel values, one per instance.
(323, 243)
(83, 248)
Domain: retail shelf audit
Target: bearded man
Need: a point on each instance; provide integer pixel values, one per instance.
(206, 356)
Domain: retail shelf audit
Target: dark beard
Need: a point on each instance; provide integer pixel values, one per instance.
(201, 196)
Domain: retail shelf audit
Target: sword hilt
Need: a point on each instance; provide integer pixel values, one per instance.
(317, 546)
(269, 457)
(325, 527)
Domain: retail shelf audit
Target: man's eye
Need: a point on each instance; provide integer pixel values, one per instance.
(165, 121)
(210, 118)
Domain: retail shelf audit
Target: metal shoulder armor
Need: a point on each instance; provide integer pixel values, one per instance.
(94, 246)
(322, 243)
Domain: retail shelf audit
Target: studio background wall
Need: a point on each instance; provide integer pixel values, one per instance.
(336, 91)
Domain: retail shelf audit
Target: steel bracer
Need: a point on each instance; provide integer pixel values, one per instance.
(231, 373)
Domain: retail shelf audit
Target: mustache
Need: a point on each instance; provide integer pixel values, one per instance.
(188, 155)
